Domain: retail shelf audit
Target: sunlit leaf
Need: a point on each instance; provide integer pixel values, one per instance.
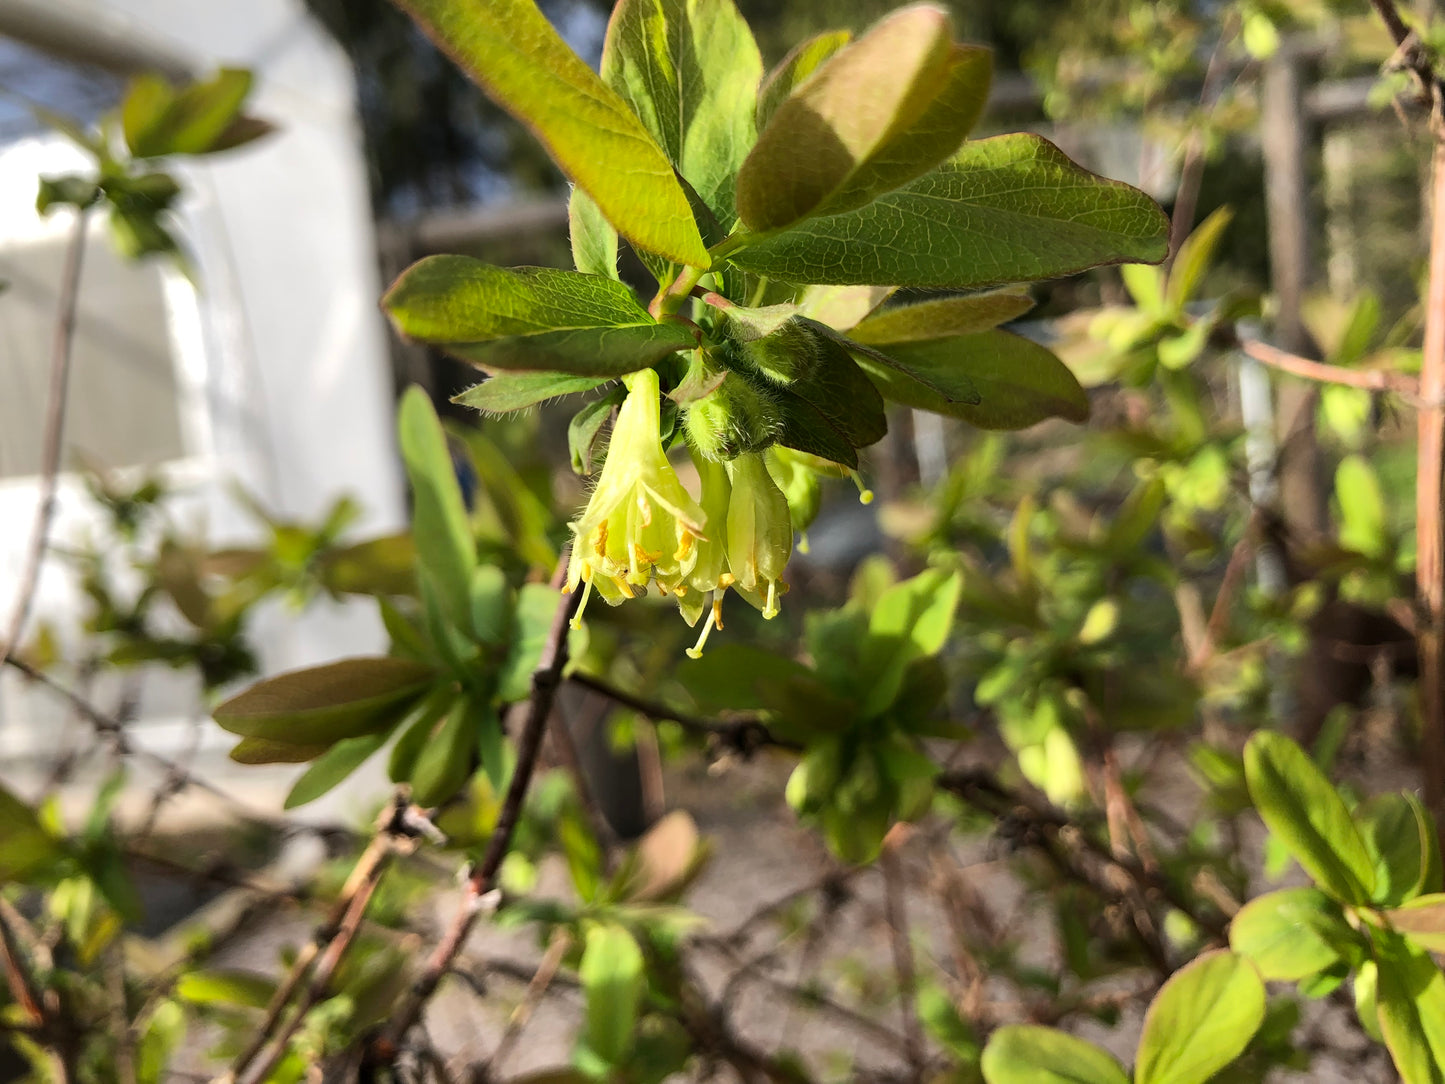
(513, 53)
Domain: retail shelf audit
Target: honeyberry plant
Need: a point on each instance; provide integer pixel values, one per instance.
(779, 214)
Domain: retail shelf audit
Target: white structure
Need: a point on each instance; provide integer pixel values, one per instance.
(273, 372)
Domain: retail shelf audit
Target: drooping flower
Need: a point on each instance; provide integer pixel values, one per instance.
(709, 577)
(759, 531)
(640, 525)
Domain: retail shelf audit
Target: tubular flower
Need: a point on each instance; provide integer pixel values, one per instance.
(709, 572)
(641, 525)
(759, 531)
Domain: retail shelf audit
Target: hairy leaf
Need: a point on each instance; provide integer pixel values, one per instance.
(801, 62)
(944, 318)
(593, 240)
(849, 113)
(532, 318)
(513, 53)
(1008, 209)
(1016, 381)
(690, 70)
(505, 392)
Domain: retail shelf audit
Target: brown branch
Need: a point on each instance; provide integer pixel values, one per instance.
(342, 923)
(895, 911)
(1369, 379)
(744, 735)
(17, 973)
(531, 997)
(62, 350)
(1229, 587)
(479, 895)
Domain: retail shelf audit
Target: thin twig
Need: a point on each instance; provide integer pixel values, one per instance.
(62, 351)
(1369, 379)
(531, 997)
(895, 913)
(479, 895)
(17, 972)
(360, 884)
(745, 734)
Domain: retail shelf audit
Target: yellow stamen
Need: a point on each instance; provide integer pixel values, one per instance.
(865, 495)
(581, 606)
(717, 597)
(695, 652)
(770, 611)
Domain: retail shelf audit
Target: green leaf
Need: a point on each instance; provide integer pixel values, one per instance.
(1307, 815)
(531, 318)
(1028, 1054)
(940, 1017)
(446, 553)
(506, 392)
(1394, 829)
(416, 730)
(736, 677)
(325, 704)
(25, 846)
(512, 52)
(1283, 933)
(333, 766)
(157, 119)
(271, 751)
(594, 241)
(445, 761)
(491, 600)
(911, 620)
(241, 988)
(841, 307)
(586, 424)
(1017, 382)
(1364, 525)
(1411, 998)
(943, 318)
(930, 139)
(838, 389)
(1008, 209)
(805, 428)
(794, 69)
(1200, 1021)
(536, 610)
(1194, 257)
(611, 972)
(1367, 1001)
(690, 70)
(879, 113)
(1422, 920)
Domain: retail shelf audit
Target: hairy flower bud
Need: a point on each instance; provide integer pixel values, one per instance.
(736, 418)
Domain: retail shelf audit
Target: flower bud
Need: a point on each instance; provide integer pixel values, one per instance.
(736, 418)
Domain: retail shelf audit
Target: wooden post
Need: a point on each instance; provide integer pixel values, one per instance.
(1283, 138)
(1430, 561)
